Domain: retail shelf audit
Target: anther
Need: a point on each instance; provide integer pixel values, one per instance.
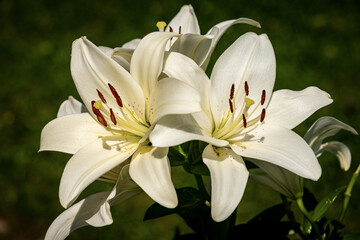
(262, 115)
(232, 91)
(116, 95)
(231, 105)
(263, 95)
(98, 114)
(244, 121)
(170, 29)
(101, 96)
(246, 88)
(161, 25)
(112, 116)
(179, 29)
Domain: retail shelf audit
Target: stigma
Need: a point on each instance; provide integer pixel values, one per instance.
(161, 26)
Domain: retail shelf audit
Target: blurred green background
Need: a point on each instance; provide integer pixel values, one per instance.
(316, 43)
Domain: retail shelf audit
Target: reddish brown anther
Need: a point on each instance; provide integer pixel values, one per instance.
(98, 114)
(244, 121)
(263, 95)
(232, 90)
(116, 95)
(170, 29)
(179, 29)
(262, 115)
(231, 105)
(246, 88)
(112, 116)
(101, 96)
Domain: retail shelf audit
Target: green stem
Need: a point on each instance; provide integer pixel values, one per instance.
(291, 216)
(302, 208)
(348, 193)
(201, 186)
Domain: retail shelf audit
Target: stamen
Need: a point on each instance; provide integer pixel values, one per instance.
(246, 88)
(98, 114)
(116, 95)
(263, 95)
(262, 115)
(112, 116)
(170, 29)
(244, 121)
(232, 91)
(179, 29)
(101, 96)
(161, 25)
(231, 106)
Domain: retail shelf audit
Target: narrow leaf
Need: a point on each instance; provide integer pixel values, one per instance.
(325, 203)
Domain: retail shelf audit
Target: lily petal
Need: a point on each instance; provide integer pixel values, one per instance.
(290, 108)
(173, 130)
(71, 106)
(186, 19)
(250, 58)
(150, 169)
(91, 162)
(147, 60)
(216, 32)
(341, 151)
(228, 180)
(189, 73)
(92, 69)
(70, 133)
(281, 147)
(325, 127)
(78, 215)
(132, 44)
(171, 96)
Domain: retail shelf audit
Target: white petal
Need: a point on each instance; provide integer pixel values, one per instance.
(147, 60)
(341, 151)
(250, 58)
(290, 108)
(70, 133)
(186, 19)
(190, 73)
(78, 215)
(325, 127)
(216, 32)
(176, 129)
(228, 180)
(150, 169)
(132, 44)
(171, 96)
(281, 147)
(71, 106)
(90, 162)
(92, 69)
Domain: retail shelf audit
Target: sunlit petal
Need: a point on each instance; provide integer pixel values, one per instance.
(228, 180)
(70, 133)
(340, 150)
(71, 106)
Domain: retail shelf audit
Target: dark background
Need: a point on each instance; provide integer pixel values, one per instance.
(316, 43)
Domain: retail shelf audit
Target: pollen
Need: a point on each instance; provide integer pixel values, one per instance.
(101, 96)
(161, 26)
(263, 95)
(248, 102)
(262, 115)
(231, 105)
(246, 88)
(232, 90)
(116, 95)
(97, 104)
(244, 121)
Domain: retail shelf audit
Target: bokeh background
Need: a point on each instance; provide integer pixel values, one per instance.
(316, 43)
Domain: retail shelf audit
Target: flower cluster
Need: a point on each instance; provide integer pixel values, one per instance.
(152, 94)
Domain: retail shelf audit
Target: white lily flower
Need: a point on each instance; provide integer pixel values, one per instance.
(241, 118)
(123, 108)
(95, 209)
(288, 183)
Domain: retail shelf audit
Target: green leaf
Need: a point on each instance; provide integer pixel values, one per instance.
(274, 213)
(198, 168)
(324, 205)
(175, 157)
